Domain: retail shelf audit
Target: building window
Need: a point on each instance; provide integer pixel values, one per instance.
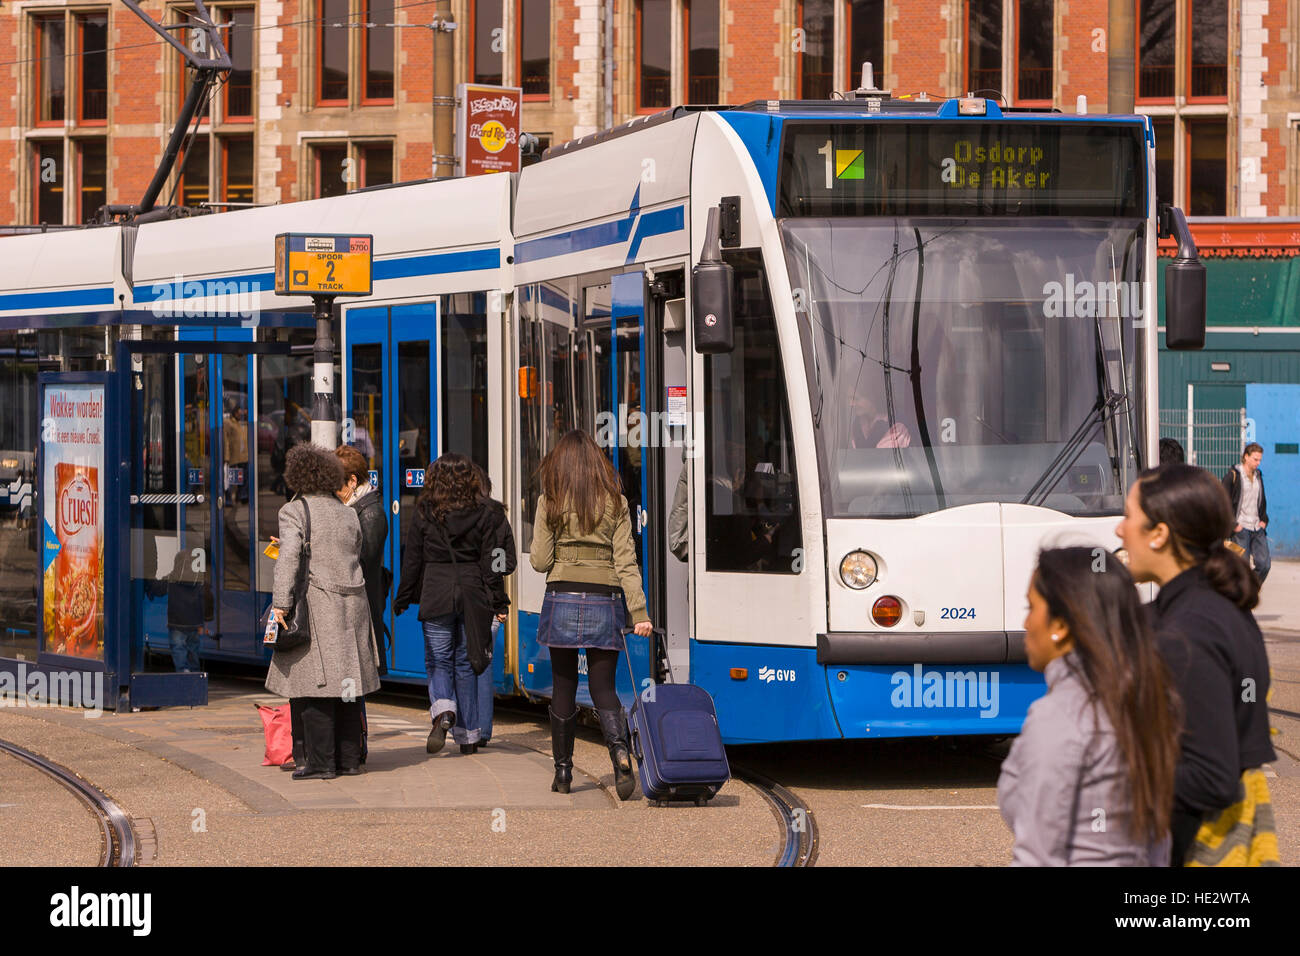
(194, 174)
(237, 169)
(1165, 144)
(332, 171)
(866, 32)
(702, 57)
(47, 159)
(1157, 38)
(654, 54)
(333, 46)
(377, 52)
(535, 47)
(816, 67)
(239, 40)
(1207, 168)
(1209, 79)
(92, 176)
(1034, 51)
(339, 167)
(984, 46)
(376, 164)
(486, 41)
(51, 70)
(69, 91)
(92, 45)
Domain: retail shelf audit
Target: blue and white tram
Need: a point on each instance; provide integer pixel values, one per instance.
(944, 358)
(942, 362)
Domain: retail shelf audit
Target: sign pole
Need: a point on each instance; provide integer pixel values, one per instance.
(323, 430)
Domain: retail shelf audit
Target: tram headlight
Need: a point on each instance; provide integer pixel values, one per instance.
(858, 570)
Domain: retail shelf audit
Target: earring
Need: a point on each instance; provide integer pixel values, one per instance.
(1153, 545)
(1056, 638)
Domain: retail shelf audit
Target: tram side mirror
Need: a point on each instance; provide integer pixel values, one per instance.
(711, 285)
(1184, 286)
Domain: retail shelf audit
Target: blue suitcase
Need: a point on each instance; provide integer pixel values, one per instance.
(677, 743)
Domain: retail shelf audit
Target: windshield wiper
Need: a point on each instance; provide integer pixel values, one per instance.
(1105, 407)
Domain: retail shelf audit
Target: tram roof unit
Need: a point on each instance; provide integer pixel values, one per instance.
(51, 275)
(449, 231)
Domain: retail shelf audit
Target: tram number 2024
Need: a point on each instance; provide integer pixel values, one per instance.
(957, 614)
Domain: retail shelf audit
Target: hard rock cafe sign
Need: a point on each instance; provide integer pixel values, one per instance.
(487, 129)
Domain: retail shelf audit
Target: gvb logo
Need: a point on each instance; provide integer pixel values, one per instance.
(770, 675)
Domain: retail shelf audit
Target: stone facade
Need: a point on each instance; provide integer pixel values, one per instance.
(925, 43)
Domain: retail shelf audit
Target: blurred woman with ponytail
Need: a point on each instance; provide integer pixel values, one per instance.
(1090, 779)
(1176, 521)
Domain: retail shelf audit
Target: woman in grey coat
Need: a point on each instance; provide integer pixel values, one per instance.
(326, 678)
(1090, 780)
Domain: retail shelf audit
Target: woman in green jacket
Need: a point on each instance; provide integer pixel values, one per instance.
(582, 541)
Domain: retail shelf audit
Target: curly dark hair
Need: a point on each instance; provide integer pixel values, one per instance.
(450, 484)
(312, 470)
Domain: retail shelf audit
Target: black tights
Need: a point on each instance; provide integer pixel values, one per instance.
(601, 665)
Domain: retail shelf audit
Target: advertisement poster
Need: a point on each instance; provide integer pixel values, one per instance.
(72, 493)
(487, 134)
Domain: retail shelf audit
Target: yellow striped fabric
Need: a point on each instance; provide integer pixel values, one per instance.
(1242, 835)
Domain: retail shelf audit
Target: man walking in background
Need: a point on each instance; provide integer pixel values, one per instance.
(1245, 484)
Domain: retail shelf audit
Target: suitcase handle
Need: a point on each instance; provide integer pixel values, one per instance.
(655, 633)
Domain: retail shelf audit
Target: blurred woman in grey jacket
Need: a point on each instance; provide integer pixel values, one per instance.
(326, 678)
(1089, 781)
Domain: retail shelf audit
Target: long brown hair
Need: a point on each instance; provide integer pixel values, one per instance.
(1124, 672)
(450, 484)
(1195, 506)
(578, 479)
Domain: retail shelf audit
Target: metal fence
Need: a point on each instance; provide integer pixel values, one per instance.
(1215, 438)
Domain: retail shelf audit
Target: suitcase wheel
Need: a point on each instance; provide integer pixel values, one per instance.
(701, 800)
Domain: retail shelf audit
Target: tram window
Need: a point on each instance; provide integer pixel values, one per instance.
(464, 376)
(751, 498)
(284, 403)
(368, 403)
(235, 477)
(546, 406)
(413, 425)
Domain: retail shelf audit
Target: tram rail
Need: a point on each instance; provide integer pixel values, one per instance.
(119, 844)
(799, 846)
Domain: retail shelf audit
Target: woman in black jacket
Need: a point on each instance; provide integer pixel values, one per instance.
(1176, 519)
(447, 570)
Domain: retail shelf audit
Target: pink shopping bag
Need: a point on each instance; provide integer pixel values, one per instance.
(279, 734)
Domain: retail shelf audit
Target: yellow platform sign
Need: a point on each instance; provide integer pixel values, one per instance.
(322, 264)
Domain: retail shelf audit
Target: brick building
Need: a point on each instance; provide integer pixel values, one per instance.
(326, 95)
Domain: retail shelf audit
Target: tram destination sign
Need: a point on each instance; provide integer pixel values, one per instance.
(314, 264)
(962, 168)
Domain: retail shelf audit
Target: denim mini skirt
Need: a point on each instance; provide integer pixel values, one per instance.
(571, 619)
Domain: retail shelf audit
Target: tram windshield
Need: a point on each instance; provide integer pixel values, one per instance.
(958, 361)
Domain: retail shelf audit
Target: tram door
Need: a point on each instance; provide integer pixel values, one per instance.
(192, 513)
(632, 441)
(390, 413)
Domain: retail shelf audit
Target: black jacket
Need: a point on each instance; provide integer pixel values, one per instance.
(1216, 657)
(502, 556)
(1232, 481)
(374, 534)
(430, 577)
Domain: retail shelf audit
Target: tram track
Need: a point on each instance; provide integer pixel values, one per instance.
(118, 848)
(799, 845)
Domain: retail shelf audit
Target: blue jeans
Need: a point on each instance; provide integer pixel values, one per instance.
(1256, 545)
(185, 648)
(453, 686)
(487, 690)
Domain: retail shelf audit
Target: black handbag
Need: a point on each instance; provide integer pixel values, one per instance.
(478, 621)
(296, 630)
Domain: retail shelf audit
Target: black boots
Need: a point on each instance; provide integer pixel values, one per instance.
(562, 730)
(613, 724)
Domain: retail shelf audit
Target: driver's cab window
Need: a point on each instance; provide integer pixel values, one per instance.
(751, 494)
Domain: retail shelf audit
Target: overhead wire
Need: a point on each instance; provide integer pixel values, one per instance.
(350, 24)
